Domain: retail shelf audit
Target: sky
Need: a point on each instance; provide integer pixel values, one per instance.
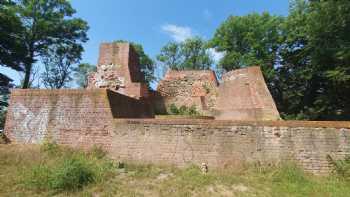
(153, 23)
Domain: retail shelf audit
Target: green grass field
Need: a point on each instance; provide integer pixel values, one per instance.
(50, 170)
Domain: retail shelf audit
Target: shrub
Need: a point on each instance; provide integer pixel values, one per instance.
(341, 168)
(67, 169)
(173, 109)
(73, 173)
(184, 110)
(193, 111)
(3, 139)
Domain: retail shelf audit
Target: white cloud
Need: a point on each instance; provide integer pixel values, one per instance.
(178, 33)
(217, 56)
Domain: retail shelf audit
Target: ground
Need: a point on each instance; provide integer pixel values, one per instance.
(17, 161)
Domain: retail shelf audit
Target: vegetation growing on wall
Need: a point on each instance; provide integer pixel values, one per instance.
(183, 110)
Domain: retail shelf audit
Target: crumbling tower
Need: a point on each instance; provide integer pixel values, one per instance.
(118, 70)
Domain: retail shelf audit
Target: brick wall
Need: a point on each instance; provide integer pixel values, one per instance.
(242, 94)
(73, 117)
(83, 118)
(229, 143)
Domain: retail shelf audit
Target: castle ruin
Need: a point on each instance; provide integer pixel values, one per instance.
(117, 113)
(243, 94)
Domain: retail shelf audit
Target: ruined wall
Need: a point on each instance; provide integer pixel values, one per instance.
(84, 118)
(243, 95)
(231, 144)
(190, 87)
(118, 69)
(73, 117)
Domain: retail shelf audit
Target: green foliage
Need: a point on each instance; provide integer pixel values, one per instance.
(253, 39)
(71, 173)
(43, 26)
(305, 56)
(147, 65)
(183, 110)
(192, 54)
(68, 170)
(81, 73)
(313, 81)
(173, 109)
(341, 168)
(2, 119)
(12, 51)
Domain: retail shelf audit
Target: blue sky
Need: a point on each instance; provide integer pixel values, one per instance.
(153, 23)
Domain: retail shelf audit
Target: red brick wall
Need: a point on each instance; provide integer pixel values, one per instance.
(231, 143)
(73, 117)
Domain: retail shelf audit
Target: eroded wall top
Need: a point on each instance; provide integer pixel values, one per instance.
(118, 69)
(242, 94)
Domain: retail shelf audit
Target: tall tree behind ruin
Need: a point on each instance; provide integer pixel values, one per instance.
(46, 24)
(81, 73)
(305, 56)
(314, 79)
(253, 39)
(192, 54)
(58, 64)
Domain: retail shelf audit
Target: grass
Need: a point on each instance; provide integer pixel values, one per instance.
(51, 170)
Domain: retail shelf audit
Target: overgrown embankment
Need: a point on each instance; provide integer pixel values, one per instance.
(51, 170)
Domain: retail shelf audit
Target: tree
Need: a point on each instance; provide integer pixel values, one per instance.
(170, 55)
(12, 52)
(48, 24)
(5, 84)
(146, 63)
(192, 54)
(254, 39)
(314, 79)
(81, 73)
(58, 66)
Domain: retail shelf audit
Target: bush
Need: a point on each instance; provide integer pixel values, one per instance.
(68, 170)
(73, 173)
(3, 139)
(173, 109)
(341, 168)
(184, 110)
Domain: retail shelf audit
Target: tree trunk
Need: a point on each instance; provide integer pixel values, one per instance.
(28, 71)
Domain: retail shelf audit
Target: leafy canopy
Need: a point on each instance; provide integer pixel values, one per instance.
(192, 54)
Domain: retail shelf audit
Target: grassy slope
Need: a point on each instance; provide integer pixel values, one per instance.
(149, 180)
